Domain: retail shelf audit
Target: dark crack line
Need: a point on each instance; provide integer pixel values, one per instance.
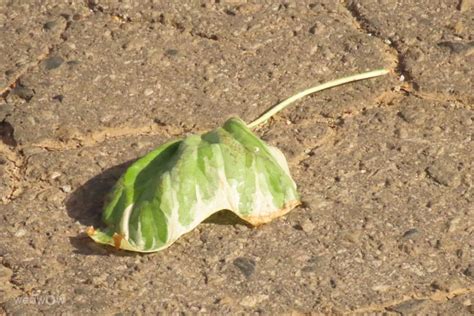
(364, 24)
(7, 133)
(7, 136)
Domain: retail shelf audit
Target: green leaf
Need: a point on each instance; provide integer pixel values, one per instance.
(172, 189)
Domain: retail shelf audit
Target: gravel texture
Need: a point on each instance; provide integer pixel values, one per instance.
(384, 166)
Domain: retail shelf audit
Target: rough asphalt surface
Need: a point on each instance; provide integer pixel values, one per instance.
(384, 166)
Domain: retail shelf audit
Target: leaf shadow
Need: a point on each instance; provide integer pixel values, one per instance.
(226, 217)
(85, 205)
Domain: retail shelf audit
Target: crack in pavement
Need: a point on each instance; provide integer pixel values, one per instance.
(438, 297)
(96, 138)
(385, 100)
(116, 133)
(392, 47)
(394, 51)
(463, 102)
(18, 161)
(16, 79)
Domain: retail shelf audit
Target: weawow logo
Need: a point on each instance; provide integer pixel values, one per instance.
(41, 300)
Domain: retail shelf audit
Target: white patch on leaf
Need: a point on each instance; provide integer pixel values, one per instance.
(124, 223)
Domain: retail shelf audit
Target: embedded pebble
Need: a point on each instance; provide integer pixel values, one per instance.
(444, 173)
(253, 300)
(20, 232)
(24, 93)
(66, 188)
(53, 62)
(453, 224)
(148, 92)
(381, 288)
(412, 233)
(171, 52)
(469, 271)
(245, 265)
(50, 25)
(55, 175)
(307, 226)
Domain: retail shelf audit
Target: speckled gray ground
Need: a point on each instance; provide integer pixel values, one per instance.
(384, 166)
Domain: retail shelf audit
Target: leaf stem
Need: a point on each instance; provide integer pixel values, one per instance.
(277, 108)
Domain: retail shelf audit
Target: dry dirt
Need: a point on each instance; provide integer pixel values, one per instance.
(384, 166)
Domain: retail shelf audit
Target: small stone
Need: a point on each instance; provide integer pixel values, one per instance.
(97, 280)
(466, 5)
(307, 226)
(80, 290)
(171, 52)
(411, 116)
(5, 273)
(73, 63)
(317, 29)
(470, 309)
(53, 62)
(381, 288)
(453, 224)
(66, 188)
(253, 300)
(245, 265)
(469, 271)
(107, 118)
(58, 97)
(7, 134)
(23, 92)
(455, 47)
(352, 236)
(135, 44)
(55, 175)
(412, 233)
(248, 8)
(137, 145)
(444, 172)
(48, 26)
(401, 133)
(316, 264)
(249, 301)
(148, 92)
(65, 133)
(20, 232)
(30, 151)
(76, 17)
(448, 285)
